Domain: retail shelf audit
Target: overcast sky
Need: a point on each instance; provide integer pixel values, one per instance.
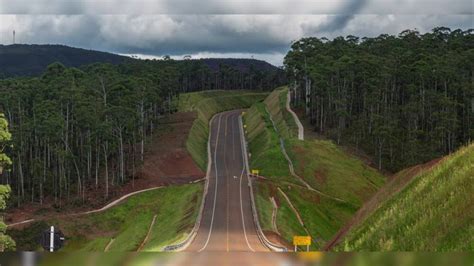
(217, 28)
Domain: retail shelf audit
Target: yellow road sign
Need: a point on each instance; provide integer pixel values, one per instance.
(301, 240)
(255, 172)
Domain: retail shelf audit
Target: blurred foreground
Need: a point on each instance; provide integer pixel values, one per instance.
(238, 258)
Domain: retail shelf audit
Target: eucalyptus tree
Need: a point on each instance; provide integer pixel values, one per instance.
(6, 242)
(403, 99)
(77, 129)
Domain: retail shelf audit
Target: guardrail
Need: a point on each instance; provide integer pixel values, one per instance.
(260, 233)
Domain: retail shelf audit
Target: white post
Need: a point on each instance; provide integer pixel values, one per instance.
(51, 240)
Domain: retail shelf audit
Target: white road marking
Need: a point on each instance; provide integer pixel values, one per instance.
(227, 184)
(240, 191)
(242, 212)
(215, 191)
(233, 145)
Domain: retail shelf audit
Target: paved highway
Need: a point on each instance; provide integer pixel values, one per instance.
(227, 223)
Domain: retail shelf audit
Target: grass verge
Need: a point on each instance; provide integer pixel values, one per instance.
(321, 164)
(176, 208)
(207, 104)
(264, 145)
(329, 169)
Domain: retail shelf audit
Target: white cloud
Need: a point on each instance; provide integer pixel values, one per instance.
(275, 59)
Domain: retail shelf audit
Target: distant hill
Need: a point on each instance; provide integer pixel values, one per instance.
(31, 60)
(424, 208)
(240, 64)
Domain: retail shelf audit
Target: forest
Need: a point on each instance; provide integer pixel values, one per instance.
(402, 99)
(75, 129)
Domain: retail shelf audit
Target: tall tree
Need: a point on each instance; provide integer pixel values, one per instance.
(6, 243)
(403, 99)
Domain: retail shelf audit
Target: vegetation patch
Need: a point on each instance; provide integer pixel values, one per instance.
(404, 99)
(207, 104)
(176, 208)
(329, 169)
(264, 145)
(433, 212)
(284, 121)
(344, 181)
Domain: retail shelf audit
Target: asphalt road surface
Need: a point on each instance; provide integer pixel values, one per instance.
(227, 223)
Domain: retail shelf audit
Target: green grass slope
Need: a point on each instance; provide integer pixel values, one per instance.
(264, 145)
(176, 208)
(207, 104)
(323, 165)
(433, 212)
(326, 167)
(276, 105)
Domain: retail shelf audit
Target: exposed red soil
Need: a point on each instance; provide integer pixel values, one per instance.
(302, 155)
(396, 183)
(168, 157)
(320, 175)
(166, 162)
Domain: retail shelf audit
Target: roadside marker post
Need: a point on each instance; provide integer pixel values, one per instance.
(302, 241)
(52, 239)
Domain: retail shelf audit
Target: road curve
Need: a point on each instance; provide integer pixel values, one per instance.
(227, 223)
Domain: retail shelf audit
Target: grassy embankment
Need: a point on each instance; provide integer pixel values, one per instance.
(207, 104)
(176, 208)
(321, 164)
(432, 212)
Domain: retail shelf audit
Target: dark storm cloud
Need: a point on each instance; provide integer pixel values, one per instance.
(197, 33)
(170, 7)
(139, 7)
(178, 27)
(337, 22)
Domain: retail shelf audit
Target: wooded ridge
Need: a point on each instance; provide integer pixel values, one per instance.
(403, 99)
(77, 129)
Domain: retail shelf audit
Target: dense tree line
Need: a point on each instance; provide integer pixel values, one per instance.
(404, 99)
(6, 242)
(221, 74)
(84, 128)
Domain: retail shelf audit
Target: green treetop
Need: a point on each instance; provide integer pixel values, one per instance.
(6, 243)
